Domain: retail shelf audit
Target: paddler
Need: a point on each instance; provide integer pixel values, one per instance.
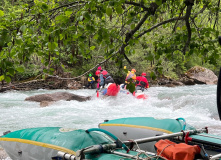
(91, 81)
(131, 76)
(142, 82)
(104, 78)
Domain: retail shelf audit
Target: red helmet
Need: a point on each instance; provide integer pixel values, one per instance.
(133, 70)
(143, 74)
(97, 72)
(99, 68)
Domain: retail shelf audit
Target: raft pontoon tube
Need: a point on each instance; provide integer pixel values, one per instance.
(139, 128)
(46, 143)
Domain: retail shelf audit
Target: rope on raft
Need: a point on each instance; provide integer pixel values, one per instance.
(141, 152)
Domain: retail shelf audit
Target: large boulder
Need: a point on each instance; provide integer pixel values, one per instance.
(47, 99)
(201, 75)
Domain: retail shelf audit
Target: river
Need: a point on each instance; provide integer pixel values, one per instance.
(196, 104)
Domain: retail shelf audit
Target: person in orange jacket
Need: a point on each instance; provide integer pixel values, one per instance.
(141, 82)
(130, 75)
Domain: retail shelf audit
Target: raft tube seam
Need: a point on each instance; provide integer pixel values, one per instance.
(51, 146)
(136, 126)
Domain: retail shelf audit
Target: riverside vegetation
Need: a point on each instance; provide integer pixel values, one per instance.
(69, 39)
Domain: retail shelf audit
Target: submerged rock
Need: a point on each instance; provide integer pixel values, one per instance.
(46, 103)
(47, 99)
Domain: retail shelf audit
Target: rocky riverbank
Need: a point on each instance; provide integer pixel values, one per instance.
(196, 75)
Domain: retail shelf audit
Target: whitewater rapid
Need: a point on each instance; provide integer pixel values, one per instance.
(196, 104)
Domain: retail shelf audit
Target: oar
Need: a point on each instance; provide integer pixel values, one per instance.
(97, 148)
(97, 93)
(66, 155)
(155, 138)
(97, 90)
(215, 157)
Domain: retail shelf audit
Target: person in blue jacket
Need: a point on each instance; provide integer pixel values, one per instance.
(104, 78)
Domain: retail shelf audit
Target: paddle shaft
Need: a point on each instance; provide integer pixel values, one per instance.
(215, 157)
(65, 155)
(98, 148)
(155, 138)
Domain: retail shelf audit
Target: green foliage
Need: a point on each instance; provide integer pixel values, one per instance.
(28, 72)
(73, 34)
(130, 86)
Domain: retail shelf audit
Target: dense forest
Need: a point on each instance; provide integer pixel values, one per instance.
(160, 37)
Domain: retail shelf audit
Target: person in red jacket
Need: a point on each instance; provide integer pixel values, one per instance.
(104, 78)
(141, 82)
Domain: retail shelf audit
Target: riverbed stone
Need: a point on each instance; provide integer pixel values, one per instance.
(47, 99)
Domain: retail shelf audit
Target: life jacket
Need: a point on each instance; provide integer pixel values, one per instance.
(141, 83)
(105, 74)
(107, 77)
(131, 75)
(90, 79)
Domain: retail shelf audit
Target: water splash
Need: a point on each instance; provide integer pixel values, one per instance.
(197, 104)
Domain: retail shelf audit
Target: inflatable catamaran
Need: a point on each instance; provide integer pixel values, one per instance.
(148, 132)
(127, 138)
(49, 143)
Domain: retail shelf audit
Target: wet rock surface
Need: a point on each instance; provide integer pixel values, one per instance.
(47, 99)
(195, 75)
(202, 75)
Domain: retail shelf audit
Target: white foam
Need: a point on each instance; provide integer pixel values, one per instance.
(197, 104)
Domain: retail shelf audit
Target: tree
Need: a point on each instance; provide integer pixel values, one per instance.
(66, 32)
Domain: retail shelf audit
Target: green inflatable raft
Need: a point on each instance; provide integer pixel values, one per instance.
(130, 138)
(47, 143)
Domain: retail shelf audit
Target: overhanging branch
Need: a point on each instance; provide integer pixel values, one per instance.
(189, 4)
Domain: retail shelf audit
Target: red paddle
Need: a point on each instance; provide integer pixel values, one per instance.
(97, 90)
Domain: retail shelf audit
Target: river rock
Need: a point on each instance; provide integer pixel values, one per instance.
(202, 75)
(47, 99)
(46, 103)
(187, 81)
